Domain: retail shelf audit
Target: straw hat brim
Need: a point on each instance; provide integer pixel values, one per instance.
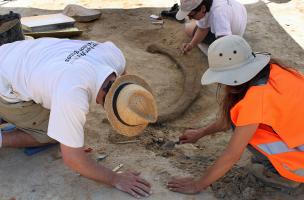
(236, 76)
(119, 126)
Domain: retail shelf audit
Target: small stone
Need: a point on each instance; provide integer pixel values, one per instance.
(81, 14)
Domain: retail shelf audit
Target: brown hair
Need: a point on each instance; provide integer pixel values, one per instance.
(233, 94)
(206, 3)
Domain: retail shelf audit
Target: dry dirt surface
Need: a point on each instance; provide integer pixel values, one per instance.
(275, 26)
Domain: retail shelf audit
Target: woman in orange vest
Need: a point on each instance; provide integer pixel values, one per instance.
(263, 101)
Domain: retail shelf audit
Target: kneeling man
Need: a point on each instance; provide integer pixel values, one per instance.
(46, 86)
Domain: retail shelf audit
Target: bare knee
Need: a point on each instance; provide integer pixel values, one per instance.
(20, 139)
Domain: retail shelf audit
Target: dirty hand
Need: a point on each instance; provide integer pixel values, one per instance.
(184, 185)
(186, 47)
(190, 136)
(130, 182)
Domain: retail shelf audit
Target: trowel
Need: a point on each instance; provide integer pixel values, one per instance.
(170, 145)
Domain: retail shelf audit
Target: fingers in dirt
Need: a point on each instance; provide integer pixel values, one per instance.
(183, 141)
(182, 137)
(174, 185)
(143, 181)
(143, 187)
(133, 193)
(140, 192)
(177, 190)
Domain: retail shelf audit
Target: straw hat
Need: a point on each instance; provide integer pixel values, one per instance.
(232, 62)
(130, 105)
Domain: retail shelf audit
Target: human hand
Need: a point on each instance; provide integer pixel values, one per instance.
(186, 47)
(185, 185)
(190, 136)
(130, 182)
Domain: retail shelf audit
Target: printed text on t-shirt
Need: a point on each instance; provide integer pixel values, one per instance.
(82, 51)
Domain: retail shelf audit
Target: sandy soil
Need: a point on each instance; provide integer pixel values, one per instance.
(274, 25)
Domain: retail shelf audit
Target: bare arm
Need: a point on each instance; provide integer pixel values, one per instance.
(217, 126)
(198, 37)
(193, 135)
(77, 160)
(129, 182)
(229, 157)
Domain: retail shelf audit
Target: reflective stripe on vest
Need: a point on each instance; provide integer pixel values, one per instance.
(281, 147)
(299, 172)
(271, 105)
(278, 147)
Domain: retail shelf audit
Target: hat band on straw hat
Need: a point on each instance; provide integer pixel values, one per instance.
(115, 97)
(129, 104)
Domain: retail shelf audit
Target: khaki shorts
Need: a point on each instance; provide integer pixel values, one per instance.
(29, 117)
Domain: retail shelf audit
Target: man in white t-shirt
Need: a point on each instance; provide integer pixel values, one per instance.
(46, 87)
(213, 19)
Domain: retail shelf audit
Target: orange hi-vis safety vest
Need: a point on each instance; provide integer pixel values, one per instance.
(278, 106)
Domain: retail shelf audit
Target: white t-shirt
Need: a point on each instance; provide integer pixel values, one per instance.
(226, 17)
(60, 74)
